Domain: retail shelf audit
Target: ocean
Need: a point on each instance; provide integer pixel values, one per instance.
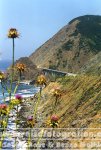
(23, 89)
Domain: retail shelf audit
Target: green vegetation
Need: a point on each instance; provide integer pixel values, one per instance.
(67, 46)
(90, 29)
(64, 63)
(59, 54)
(52, 66)
(92, 43)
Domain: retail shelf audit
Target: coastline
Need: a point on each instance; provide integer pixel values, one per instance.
(24, 89)
(24, 110)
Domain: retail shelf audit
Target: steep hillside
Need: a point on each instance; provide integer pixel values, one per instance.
(93, 67)
(80, 103)
(78, 109)
(72, 46)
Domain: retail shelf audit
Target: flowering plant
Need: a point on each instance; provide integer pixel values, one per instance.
(13, 33)
(41, 80)
(2, 76)
(4, 109)
(57, 93)
(30, 121)
(21, 67)
(53, 121)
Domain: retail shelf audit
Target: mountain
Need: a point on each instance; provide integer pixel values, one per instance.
(73, 46)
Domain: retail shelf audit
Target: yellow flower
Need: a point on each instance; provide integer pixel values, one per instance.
(21, 67)
(57, 93)
(41, 80)
(2, 76)
(15, 102)
(13, 33)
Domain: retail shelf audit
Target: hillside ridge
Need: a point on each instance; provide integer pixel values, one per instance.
(73, 46)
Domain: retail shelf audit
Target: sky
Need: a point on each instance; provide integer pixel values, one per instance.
(37, 21)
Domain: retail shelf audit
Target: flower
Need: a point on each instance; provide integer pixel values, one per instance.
(2, 75)
(29, 118)
(57, 92)
(4, 109)
(54, 118)
(3, 106)
(19, 97)
(30, 121)
(21, 67)
(13, 33)
(41, 80)
(53, 121)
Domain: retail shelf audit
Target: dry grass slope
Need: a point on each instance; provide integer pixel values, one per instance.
(80, 103)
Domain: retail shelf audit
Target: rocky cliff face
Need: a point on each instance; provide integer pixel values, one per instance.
(31, 70)
(72, 47)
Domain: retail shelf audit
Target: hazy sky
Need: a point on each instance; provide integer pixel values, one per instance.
(37, 21)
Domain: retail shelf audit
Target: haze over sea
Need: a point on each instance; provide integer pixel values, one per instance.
(4, 64)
